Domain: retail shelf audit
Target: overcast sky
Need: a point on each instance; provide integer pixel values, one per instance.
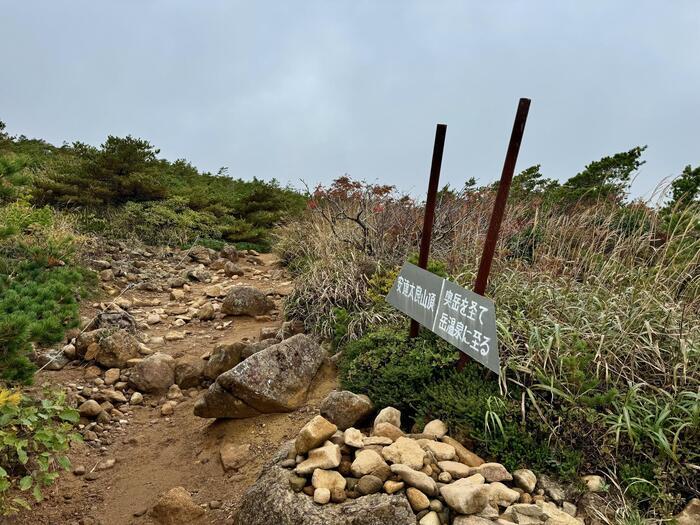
(315, 89)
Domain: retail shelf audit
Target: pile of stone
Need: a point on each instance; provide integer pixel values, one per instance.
(427, 478)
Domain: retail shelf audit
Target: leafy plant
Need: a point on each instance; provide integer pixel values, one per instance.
(34, 439)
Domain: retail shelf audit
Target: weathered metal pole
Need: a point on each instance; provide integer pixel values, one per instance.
(429, 217)
(499, 206)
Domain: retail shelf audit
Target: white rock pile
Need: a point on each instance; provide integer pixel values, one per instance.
(444, 482)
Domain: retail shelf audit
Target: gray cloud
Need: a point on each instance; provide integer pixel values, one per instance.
(311, 90)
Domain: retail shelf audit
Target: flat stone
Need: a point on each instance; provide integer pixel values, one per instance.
(456, 469)
(416, 479)
(326, 457)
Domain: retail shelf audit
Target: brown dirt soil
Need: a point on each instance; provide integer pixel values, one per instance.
(155, 453)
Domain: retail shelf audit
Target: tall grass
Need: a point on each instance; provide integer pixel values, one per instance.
(598, 314)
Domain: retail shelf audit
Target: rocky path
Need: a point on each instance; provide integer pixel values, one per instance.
(146, 448)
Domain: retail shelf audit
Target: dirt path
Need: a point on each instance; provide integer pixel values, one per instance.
(154, 453)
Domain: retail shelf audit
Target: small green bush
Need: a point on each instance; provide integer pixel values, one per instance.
(419, 377)
(34, 438)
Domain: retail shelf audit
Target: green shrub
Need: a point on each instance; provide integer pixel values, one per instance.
(40, 285)
(34, 438)
(419, 377)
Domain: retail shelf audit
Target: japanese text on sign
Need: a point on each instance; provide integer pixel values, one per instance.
(461, 317)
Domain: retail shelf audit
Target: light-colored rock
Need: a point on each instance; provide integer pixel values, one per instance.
(329, 479)
(431, 518)
(174, 336)
(387, 430)
(353, 438)
(376, 440)
(326, 457)
(322, 496)
(471, 520)
(234, 456)
(389, 415)
(112, 376)
(314, 434)
(493, 472)
(176, 507)
(463, 454)
(456, 469)
(500, 495)
(390, 487)
(136, 398)
(417, 499)
(416, 479)
(435, 428)
(593, 482)
(440, 451)
(525, 479)
(366, 462)
(465, 498)
(405, 451)
(345, 408)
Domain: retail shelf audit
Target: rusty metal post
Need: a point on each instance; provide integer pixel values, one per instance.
(499, 206)
(429, 217)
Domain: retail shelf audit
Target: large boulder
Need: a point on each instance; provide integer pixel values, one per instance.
(276, 379)
(108, 347)
(156, 373)
(345, 408)
(246, 300)
(223, 358)
(218, 403)
(272, 500)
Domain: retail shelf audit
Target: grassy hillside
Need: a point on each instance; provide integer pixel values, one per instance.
(598, 308)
